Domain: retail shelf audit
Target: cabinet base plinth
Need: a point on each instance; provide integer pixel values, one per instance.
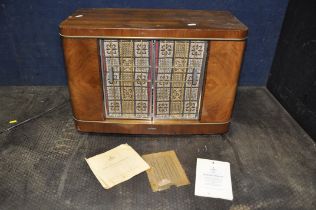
(151, 128)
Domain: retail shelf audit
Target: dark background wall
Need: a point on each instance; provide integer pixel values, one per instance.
(293, 74)
(31, 54)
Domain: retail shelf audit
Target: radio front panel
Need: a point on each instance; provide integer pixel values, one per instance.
(152, 79)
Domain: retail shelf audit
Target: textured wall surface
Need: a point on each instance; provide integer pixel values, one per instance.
(31, 53)
(293, 73)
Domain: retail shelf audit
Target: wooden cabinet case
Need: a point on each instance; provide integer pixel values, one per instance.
(143, 71)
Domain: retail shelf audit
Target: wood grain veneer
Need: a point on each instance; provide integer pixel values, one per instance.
(80, 36)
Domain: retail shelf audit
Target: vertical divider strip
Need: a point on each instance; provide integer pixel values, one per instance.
(153, 79)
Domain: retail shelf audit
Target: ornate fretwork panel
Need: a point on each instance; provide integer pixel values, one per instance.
(134, 69)
(179, 74)
(126, 78)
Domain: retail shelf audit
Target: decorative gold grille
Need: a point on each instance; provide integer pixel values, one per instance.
(179, 74)
(126, 78)
(152, 79)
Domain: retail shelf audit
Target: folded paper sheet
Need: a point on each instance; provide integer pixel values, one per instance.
(165, 171)
(117, 165)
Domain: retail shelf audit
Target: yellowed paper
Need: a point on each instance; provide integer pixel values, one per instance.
(165, 171)
(117, 165)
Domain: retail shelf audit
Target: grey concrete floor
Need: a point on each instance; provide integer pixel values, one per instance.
(42, 162)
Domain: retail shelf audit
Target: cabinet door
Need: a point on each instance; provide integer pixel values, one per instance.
(179, 71)
(126, 75)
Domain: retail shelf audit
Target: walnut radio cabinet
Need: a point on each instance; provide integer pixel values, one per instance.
(141, 71)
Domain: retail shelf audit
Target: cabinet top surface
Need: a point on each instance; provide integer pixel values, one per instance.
(153, 19)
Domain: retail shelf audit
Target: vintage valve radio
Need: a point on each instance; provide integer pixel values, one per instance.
(142, 71)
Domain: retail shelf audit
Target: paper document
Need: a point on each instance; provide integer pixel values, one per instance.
(213, 179)
(117, 165)
(165, 170)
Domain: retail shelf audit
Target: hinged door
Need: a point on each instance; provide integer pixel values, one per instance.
(126, 72)
(152, 79)
(178, 81)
